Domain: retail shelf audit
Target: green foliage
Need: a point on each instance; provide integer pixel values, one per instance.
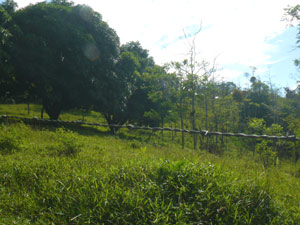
(66, 143)
(57, 54)
(6, 69)
(122, 96)
(257, 125)
(10, 6)
(11, 138)
(267, 149)
(114, 103)
(294, 125)
(119, 181)
(64, 56)
(267, 155)
(275, 130)
(141, 54)
(259, 96)
(162, 93)
(293, 14)
(237, 95)
(164, 193)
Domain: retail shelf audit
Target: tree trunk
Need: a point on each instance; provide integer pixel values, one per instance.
(206, 113)
(113, 120)
(42, 112)
(215, 116)
(28, 108)
(82, 117)
(53, 109)
(206, 119)
(173, 133)
(182, 125)
(53, 112)
(109, 121)
(193, 121)
(162, 131)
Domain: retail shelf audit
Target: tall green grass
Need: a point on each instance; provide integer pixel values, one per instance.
(111, 180)
(83, 175)
(35, 111)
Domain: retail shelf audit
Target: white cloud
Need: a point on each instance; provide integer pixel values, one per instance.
(230, 74)
(236, 31)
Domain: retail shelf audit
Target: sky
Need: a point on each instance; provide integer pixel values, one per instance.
(238, 34)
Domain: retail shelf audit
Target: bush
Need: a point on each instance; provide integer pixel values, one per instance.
(268, 149)
(11, 138)
(66, 143)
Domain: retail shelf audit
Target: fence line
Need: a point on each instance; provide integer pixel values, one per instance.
(133, 127)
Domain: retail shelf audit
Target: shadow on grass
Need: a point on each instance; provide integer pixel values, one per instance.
(148, 137)
(84, 130)
(45, 125)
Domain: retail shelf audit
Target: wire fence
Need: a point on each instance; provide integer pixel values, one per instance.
(133, 127)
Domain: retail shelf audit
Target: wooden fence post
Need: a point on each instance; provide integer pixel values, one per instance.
(295, 150)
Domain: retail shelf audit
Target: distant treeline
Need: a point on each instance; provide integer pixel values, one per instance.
(64, 56)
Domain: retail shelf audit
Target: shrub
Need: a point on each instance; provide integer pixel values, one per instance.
(11, 138)
(267, 149)
(66, 143)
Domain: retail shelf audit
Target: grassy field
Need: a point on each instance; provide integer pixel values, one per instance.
(83, 175)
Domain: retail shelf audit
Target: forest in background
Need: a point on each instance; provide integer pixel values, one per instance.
(61, 61)
(64, 56)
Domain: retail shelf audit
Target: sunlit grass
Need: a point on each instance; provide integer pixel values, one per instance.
(35, 111)
(129, 179)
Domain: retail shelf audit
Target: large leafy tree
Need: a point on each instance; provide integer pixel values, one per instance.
(258, 105)
(4, 34)
(293, 14)
(142, 55)
(118, 86)
(162, 92)
(10, 6)
(63, 51)
(6, 24)
(139, 103)
(126, 96)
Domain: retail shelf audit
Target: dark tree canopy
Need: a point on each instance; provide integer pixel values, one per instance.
(141, 54)
(66, 57)
(6, 68)
(10, 6)
(125, 98)
(62, 51)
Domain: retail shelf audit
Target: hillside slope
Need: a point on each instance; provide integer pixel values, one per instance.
(55, 175)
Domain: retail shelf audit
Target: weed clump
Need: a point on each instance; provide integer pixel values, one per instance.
(11, 138)
(65, 143)
(145, 185)
(161, 193)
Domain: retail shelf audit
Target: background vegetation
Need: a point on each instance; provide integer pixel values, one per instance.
(59, 60)
(57, 175)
